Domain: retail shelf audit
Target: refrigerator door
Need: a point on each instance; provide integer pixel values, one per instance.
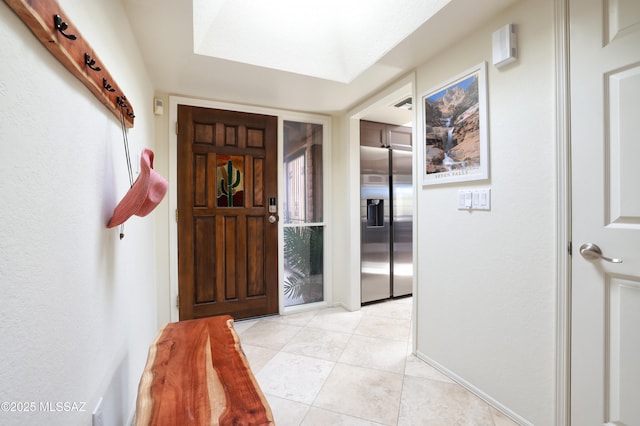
(402, 193)
(375, 224)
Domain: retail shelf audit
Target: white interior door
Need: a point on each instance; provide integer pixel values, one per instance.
(605, 145)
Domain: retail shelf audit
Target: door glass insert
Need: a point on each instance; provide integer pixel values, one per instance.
(230, 180)
(303, 213)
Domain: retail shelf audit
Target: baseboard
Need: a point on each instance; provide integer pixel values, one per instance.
(132, 417)
(474, 390)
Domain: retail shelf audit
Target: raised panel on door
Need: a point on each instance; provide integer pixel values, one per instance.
(255, 254)
(621, 17)
(205, 262)
(622, 89)
(623, 369)
(231, 261)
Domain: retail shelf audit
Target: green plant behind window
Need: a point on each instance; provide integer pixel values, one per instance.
(303, 256)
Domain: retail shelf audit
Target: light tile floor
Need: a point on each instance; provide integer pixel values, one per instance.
(334, 367)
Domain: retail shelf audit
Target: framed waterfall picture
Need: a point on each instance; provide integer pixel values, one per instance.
(454, 116)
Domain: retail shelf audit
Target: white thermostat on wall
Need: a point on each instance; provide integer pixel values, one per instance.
(503, 43)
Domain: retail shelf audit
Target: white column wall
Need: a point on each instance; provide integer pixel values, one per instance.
(486, 279)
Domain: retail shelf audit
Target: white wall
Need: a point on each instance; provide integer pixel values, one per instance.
(486, 280)
(344, 254)
(163, 217)
(78, 305)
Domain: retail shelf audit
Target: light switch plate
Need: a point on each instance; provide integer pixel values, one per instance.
(483, 199)
(478, 199)
(465, 199)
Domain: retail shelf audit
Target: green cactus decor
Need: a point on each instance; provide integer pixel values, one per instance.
(231, 186)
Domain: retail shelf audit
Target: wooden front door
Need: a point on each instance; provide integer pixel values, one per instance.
(227, 246)
(605, 147)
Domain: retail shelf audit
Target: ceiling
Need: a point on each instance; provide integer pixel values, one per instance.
(164, 31)
(304, 37)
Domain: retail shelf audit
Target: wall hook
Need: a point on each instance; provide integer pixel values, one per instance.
(91, 63)
(120, 101)
(107, 85)
(62, 26)
(130, 114)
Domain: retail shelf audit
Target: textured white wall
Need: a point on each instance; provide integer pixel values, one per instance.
(163, 217)
(486, 280)
(78, 305)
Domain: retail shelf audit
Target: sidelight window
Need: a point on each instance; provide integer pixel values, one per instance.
(303, 213)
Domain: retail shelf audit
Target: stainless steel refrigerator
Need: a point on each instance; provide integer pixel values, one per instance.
(386, 223)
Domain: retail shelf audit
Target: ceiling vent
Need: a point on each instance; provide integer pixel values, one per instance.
(405, 104)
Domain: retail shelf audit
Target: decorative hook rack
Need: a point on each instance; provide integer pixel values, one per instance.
(48, 22)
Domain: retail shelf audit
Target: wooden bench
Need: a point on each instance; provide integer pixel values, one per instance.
(197, 374)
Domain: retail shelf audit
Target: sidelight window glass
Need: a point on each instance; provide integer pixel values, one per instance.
(303, 213)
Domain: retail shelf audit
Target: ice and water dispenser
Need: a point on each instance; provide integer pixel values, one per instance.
(375, 212)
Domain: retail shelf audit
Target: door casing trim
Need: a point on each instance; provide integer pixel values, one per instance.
(563, 214)
(172, 193)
